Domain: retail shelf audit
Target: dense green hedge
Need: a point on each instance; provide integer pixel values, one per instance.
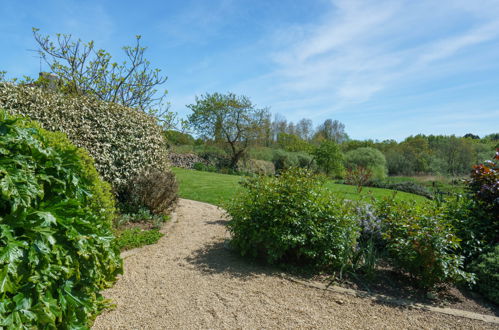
(123, 142)
(56, 246)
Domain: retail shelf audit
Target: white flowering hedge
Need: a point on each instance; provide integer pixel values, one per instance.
(123, 142)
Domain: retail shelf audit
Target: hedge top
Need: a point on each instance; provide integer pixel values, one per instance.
(124, 142)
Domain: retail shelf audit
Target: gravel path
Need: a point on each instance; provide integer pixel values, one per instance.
(189, 281)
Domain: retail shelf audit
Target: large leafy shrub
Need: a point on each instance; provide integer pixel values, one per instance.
(122, 141)
(291, 218)
(422, 242)
(486, 268)
(484, 190)
(475, 215)
(56, 246)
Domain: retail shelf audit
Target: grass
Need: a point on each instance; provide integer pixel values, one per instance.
(216, 188)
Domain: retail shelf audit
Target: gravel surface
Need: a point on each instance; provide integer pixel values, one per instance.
(188, 280)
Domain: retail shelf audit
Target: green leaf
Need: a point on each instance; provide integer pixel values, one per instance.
(6, 284)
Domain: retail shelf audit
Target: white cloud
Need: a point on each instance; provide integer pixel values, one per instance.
(361, 48)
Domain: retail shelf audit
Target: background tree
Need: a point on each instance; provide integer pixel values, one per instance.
(331, 130)
(293, 143)
(229, 119)
(329, 158)
(83, 69)
(304, 129)
(367, 158)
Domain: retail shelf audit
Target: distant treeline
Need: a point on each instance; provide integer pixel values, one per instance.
(416, 155)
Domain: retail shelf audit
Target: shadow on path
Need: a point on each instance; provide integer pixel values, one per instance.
(217, 258)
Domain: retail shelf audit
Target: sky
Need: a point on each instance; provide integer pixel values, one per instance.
(387, 69)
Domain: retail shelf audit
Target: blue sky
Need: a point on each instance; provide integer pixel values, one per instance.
(386, 69)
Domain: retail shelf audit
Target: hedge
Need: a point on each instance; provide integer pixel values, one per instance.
(122, 141)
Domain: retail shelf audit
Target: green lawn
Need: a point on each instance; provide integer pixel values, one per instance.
(215, 188)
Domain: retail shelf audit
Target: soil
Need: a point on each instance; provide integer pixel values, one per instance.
(189, 280)
(389, 282)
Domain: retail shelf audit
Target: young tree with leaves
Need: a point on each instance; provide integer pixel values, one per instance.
(329, 158)
(228, 119)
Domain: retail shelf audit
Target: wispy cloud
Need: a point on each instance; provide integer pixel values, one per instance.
(361, 48)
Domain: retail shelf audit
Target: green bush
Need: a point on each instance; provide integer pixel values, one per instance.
(284, 160)
(422, 242)
(475, 214)
(486, 268)
(214, 156)
(292, 218)
(329, 158)
(368, 158)
(178, 138)
(57, 250)
(261, 153)
(483, 189)
(204, 167)
(122, 141)
(256, 166)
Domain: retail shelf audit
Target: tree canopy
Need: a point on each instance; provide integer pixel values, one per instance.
(227, 119)
(83, 69)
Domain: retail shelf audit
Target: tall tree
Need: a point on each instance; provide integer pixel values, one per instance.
(83, 69)
(331, 130)
(304, 129)
(279, 125)
(230, 119)
(329, 158)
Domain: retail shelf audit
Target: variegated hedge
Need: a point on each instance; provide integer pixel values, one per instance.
(123, 142)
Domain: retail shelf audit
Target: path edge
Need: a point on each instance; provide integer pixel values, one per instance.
(394, 301)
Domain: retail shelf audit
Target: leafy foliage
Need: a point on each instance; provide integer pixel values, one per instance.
(204, 167)
(422, 242)
(484, 184)
(56, 246)
(229, 119)
(368, 158)
(292, 218)
(486, 268)
(123, 142)
(329, 158)
(141, 216)
(476, 214)
(135, 237)
(256, 166)
(293, 143)
(178, 138)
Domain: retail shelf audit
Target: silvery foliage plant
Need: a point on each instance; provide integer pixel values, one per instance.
(369, 222)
